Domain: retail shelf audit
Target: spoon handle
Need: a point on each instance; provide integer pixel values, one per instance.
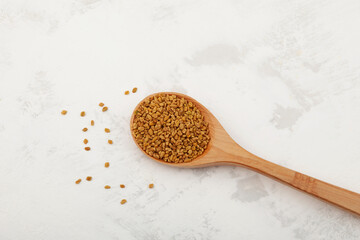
(330, 193)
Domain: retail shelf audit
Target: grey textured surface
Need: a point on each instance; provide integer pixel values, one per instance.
(281, 76)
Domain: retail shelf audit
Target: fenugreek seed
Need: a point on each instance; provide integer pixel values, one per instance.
(101, 104)
(123, 201)
(107, 187)
(82, 114)
(86, 141)
(87, 148)
(63, 112)
(110, 141)
(170, 128)
(85, 129)
(88, 178)
(122, 185)
(107, 164)
(78, 181)
(151, 185)
(92, 123)
(134, 90)
(104, 109)
(107, 130)
(127, 92)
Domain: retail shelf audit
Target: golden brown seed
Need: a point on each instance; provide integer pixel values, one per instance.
(87, 148)
(92, 123)
(107, 164)
(63, 112)
(151, 185)
(134, 90)
(127, 92)
(123, 201)
(107, 187)
(82, 114)
(105, 109)
(85, 129)
(122, 185)
(107, 130)
(101, 104)
(170, 128)
(88, 178)
(110, 141)
(86, 141)
(78, 181)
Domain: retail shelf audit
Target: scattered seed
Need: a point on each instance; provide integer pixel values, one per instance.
(123, 201)
(85, 129)
(86, 141)
(110, 141)
(127, 92)
(92, 123)
(107, 164)
(78, 181)
(87, 148)
(82, 114)
(107, 130)
(134, 90)
(107, 187)
(105, 109)
(63, 112)
(151, 185)
(101, 104)
(170, 128)
(122, 185)
(88, 178)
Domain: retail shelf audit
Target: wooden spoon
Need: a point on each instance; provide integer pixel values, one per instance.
(223, 150)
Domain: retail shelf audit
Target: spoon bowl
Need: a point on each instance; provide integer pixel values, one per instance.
(223, 150)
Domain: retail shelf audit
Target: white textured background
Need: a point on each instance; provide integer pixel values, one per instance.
(283, 77)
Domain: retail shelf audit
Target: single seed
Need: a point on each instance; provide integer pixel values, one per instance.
(88, 178)
(127, 92)
(110, 141)
(63, 112)
(122, 185)
(134, 90)
(92, 123)
(85, 129)
(101, 104)
(105, 109)
(86, 141)
(82, 114)
(78, 181)
(107, 164)
(123, 201)
(107, 130)
(151, 185)
(107, 187)
(87, 148)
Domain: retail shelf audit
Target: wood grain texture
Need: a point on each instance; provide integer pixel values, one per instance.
(223, 150)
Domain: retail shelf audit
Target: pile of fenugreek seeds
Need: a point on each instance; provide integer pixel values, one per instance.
(110, 141)
(170, 128)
